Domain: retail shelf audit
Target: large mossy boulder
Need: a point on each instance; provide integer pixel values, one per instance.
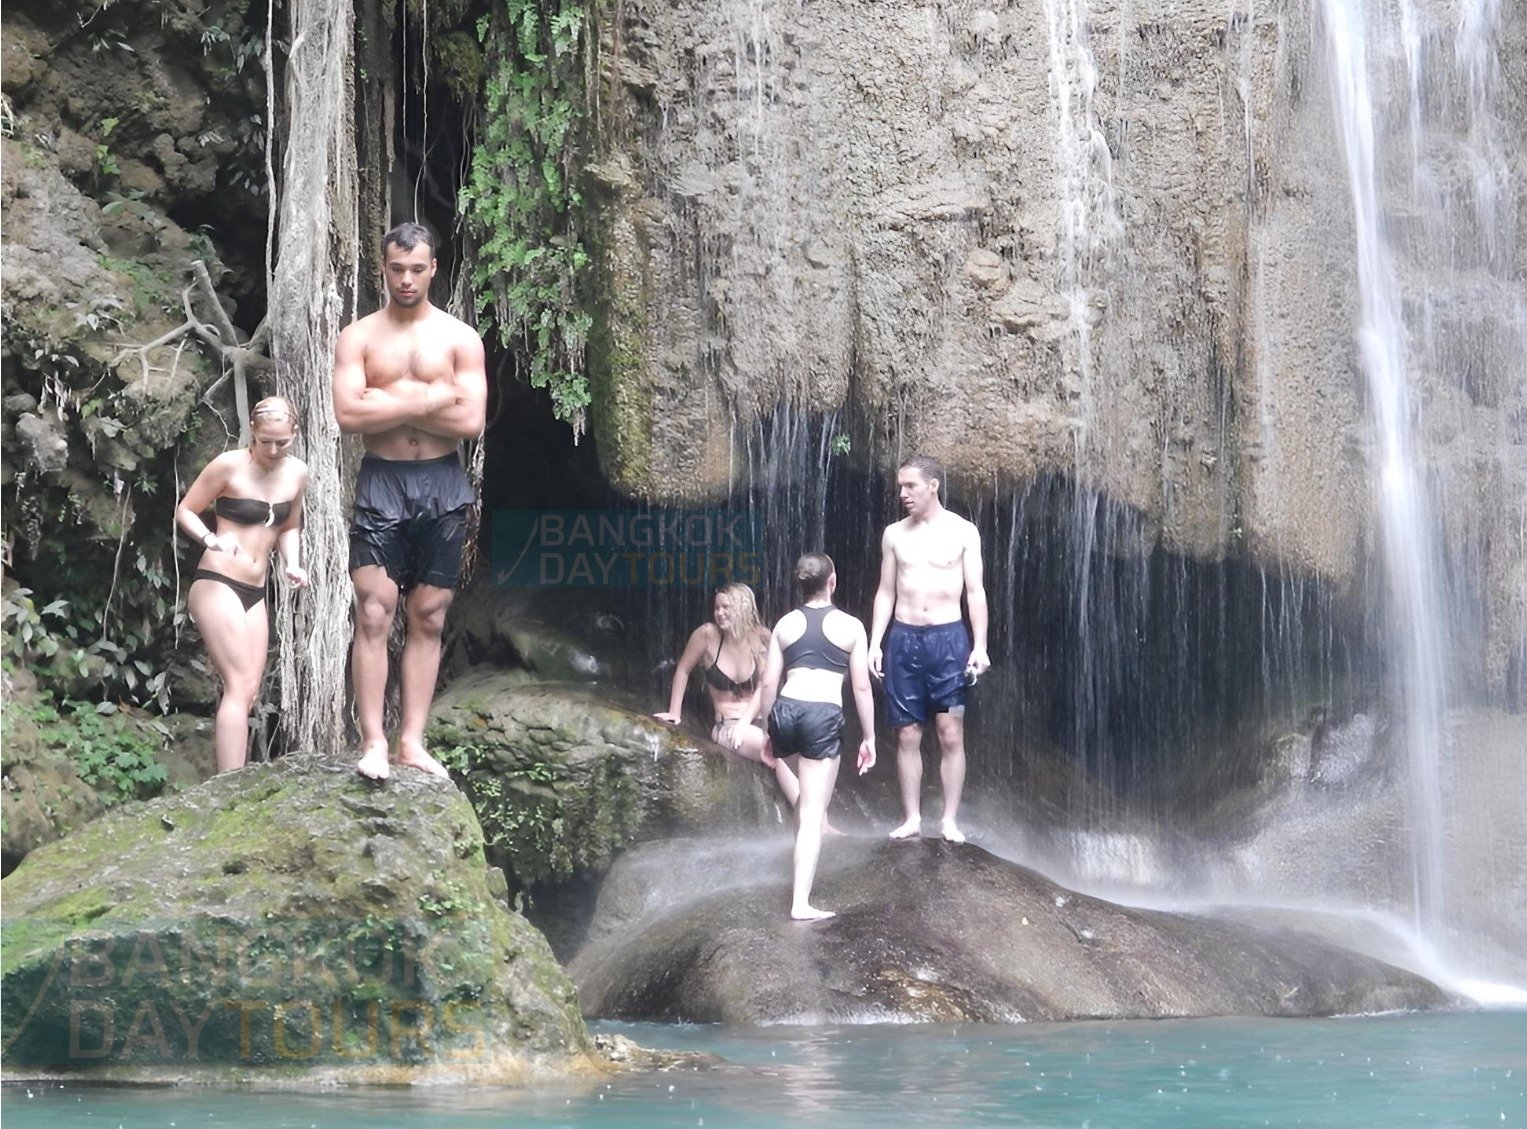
(287, 921)
(564, 777)
(928, 931)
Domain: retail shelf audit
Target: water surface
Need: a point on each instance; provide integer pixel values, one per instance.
(1437, 1070)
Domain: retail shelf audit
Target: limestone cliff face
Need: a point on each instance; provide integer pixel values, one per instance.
(1134, 264)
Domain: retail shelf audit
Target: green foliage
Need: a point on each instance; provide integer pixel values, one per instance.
(521, 200)
(520, 812)
(112, 753)
(106, 166)
(543, 818)
(81, 648)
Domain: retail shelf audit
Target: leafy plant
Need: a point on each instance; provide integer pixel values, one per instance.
(106, 165)
(79, 647)
(521, 200)
(112, 753)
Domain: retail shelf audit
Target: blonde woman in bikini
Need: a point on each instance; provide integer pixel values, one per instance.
(254, 496)
(731, 648)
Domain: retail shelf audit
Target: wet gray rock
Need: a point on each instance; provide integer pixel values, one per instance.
(564, 777)
(932, 932)
(289, 921)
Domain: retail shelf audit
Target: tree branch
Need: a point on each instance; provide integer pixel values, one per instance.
(240, 358)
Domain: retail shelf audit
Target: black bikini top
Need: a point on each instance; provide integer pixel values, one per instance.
(252, 511)
(718, 679)
(813, 650)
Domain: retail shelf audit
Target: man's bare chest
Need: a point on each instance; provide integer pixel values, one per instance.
(407, 357)
(934, 549)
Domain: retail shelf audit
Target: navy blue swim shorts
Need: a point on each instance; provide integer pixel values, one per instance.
(924, 671)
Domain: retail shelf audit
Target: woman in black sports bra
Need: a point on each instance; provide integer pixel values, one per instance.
(255, 495)
(813, 652)
(732, 648)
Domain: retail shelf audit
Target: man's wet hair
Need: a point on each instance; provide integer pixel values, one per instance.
(929, 467)
(407, 236)
(811, 573)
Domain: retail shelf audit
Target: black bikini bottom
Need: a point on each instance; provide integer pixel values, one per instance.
(249, 594)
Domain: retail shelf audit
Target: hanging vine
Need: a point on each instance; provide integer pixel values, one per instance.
(521, 200)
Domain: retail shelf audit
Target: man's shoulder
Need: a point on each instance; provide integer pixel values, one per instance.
(960, 523)
(447, 322)
(365, 325)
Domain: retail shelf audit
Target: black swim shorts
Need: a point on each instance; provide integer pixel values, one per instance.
(812, 729)
(411, 518)
(924, 671)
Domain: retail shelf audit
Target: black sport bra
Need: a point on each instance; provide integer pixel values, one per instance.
(813, 650)
(718, 679)
(252, 511)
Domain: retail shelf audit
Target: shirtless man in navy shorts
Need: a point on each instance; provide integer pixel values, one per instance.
(927, 561)
(412, 380)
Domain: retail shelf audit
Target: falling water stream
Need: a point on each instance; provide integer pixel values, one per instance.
(1415, 603)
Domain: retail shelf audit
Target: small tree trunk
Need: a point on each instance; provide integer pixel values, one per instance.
(312, 294)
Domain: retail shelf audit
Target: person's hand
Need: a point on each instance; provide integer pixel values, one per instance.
(875, 661)
(977, 665)
(866, 755)
(767, 755)
(670, 718)
(296, 576)
(218, 543)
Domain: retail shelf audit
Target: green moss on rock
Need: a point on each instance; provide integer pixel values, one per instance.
(563, 780)
(287, 917)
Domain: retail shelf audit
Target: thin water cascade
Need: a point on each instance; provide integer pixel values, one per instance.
(1090, 234)
(1414, 597)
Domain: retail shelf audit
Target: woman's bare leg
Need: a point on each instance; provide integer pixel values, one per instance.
(750, 744)
(817, 778)
(236, 643)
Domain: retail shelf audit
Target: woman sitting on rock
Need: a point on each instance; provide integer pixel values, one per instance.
(732, 648)
(255, 495)
(811, 650)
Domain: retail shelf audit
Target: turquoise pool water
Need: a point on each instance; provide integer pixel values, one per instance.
(1463, 1069)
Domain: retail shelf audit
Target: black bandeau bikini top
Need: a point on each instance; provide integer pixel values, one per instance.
(252, 511)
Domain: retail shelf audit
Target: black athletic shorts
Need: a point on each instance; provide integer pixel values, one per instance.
(812, 729)
(411, 518)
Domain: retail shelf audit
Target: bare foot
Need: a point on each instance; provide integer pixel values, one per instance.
(952, 833)
(373, 763)
(911, 829)
(829, 829)
(811, 913)
(412, 754)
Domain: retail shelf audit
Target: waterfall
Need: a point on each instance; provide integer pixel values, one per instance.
(1414, 597)
(1439, 308)
(1090, 236)
(1090, 227)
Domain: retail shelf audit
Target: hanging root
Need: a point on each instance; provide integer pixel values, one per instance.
(238, 357)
